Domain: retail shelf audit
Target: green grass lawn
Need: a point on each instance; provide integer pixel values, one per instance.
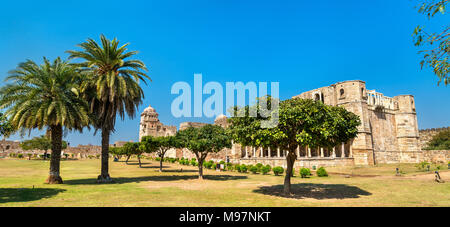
(147, 187)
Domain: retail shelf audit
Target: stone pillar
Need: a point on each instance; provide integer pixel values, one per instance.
(343, 151)
(351, 152)
(298, 151)
(269, 155)
(321, 153)
(334, 152)
(278, 152)
(262, 152)
(246, 152)
(254, 152)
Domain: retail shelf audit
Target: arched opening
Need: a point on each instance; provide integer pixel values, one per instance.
(317, 97)
(342, 93)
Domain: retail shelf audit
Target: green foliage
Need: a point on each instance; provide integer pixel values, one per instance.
(160, 145)
(44, 95)
(20, 156)
(423, 165)
(39, 143)
(230, 166)
(131, 149)
(204, 140)
(278, 170)
(6, 129)
(435, 44)
(265, 169)
(254, 169)
(321, 172)
(305, 172)
(237, 167)
(111, 80)
(301, 122)
(243, 168)
(259, 166)
(297, 122)
(440, 141)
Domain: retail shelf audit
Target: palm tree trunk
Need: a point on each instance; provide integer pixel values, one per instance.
(54, 177)
(104, 176)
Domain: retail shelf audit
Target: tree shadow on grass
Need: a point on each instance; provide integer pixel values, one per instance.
(315, 191)
(154, 167)
(27, 194)
(178, 171)
(124, 180)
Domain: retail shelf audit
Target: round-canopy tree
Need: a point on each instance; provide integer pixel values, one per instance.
(42, 143)
(111, 86)
(42, 96)
(130, 149)
(204, 140)
(301, 122)
(160, 145)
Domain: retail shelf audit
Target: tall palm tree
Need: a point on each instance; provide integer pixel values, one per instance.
(111, 87)
(45, 96)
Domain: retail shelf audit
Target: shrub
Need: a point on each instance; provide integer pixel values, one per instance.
(305, 172)
(193, 162)
(237, 167)
(259, 166)
(214, 166)
(254, 169)
(243, 168)
(423, 165)
(208, 164)
(321, 172)
(158, 159)
(265, 169)
(278, 170)
(229, 166)
(20, 155)
(222, 162)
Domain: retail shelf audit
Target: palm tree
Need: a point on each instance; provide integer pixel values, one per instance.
(111, 87)
(45, 96)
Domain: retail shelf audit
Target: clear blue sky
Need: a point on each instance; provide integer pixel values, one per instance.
(301, 44)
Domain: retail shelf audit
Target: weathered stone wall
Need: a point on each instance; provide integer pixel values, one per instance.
(390, 157)
(427, 134)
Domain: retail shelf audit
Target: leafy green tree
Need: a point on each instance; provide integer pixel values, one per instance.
(440, 141)
(116, 152)
(204, 140)
(111, 86)
(436, 45)
(6, 129)
(301, 122)
(160, 145)
(40, 143)
(130, 149)
(45, 96)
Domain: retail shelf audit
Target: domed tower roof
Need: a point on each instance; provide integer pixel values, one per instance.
(221, 120)
(221, 117)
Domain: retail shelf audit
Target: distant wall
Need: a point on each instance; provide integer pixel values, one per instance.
(427, 134)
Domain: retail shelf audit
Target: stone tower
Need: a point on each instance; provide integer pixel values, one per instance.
(151, 126)
(406, 124)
